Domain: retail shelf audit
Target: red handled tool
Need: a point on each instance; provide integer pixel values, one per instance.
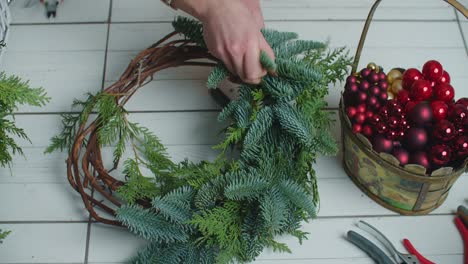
(412, 250)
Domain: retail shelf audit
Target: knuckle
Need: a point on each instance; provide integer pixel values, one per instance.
(236, 49)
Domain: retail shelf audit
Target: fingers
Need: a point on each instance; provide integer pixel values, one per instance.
(252, 70)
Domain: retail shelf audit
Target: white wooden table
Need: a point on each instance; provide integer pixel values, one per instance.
(90, 43)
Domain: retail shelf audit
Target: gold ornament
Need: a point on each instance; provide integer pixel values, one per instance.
(373, 66)
(393, 75)
(396, 86)
(391, 96)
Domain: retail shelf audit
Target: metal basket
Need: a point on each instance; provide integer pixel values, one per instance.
(406, 190)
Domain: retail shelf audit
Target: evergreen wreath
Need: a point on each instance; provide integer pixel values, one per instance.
(261, 185)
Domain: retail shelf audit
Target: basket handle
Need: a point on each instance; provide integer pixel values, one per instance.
(457, 5)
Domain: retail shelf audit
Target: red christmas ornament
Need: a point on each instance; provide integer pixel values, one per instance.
(393, 122)
(352, 87)
(392, 134)
(383, 96)
(403, 97)
(351, 79)
(421, 114)
(372, 101)
(373, 77)
(381, 127)
(421, 90)
(439, 110)
(432, 70)
(383, 85)
(382, 76)
(367, 131)
(401, 154)
(351, 111)
(384, 112)
(410, 105)
(357, 128)
(460, 147)
(440, 155)
(458, 114)
(416, 138)
(420, 158)
(364, 85)
(445, 78)
(463, 101)
(369, 114)
(375, 119)
(410, 76)
(365, 72)
(382, 144)
(444, 131)
(362, 97)
(444, 92)
(359, 118)
(375, 90)
(361, 108)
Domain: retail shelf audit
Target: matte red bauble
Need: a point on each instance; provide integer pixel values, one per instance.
(365, 72)
(369, 114)
(383, 96)
(440, 155)
(374, 90)
(421, 90)
(351, 111)
(361, 108)
(416, 138)
(352, 87)
(372, 101)
(420, 158)
(364, 85)
(410, 76)
(357, 128)
(382, 76)
(351, 79)
(439, 110)
(444, 131)
(383, 85)
(432, 70)
(373, 77)
(420, 114)
(367, 131)
(401, 154)
(382, 144)
(362, 97)
(444, 92)
(359, 118)
(463, 101)
(460, 147)
(445, 78)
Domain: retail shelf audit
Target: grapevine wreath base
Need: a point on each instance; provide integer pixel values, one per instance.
(261, 185)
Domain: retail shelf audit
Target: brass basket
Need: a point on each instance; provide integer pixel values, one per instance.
(406, 190)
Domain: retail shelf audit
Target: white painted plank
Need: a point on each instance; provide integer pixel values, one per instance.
(147, 10)
(67, 63)
(67, 12)
(40, 202)
(89, 37)
(326, 240)
(44, 243)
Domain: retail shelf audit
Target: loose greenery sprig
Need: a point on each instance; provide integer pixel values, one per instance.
(13, 93)
(262, 184)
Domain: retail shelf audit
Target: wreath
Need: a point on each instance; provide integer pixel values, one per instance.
(261, 185)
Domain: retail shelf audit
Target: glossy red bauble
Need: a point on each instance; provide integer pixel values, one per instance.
(444, 131)
(445, 78)
(420, 158)
(410, 76)
(440, 155)
(458, 114)
(439, 110)
(463, 101)
(375, 119)
(382, 144)
(381, 127)
(401, 154)
(416, 138)
(460, 147)
(444, 92)
(403, 97)
(432, 70)
(421, 90)
(420, 114)
(393, 122)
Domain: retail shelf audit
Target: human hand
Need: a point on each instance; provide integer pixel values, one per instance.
(232, 34)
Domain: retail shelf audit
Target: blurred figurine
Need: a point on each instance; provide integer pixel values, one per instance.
(50, 6)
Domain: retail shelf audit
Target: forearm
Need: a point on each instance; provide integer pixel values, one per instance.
(196, 8)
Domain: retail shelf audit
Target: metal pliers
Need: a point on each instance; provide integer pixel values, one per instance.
(375, 252)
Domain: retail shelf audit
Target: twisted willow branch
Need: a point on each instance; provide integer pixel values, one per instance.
(85, 168)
